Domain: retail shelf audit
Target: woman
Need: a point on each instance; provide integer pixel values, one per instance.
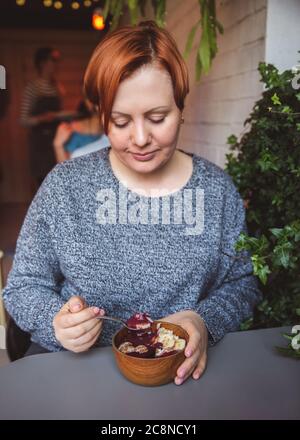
(41, 104)
(80, 136)
(138, 226)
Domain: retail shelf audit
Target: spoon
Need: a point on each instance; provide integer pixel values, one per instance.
(110, 318)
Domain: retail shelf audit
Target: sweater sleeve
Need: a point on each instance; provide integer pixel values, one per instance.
(32, 294)
(234, 292)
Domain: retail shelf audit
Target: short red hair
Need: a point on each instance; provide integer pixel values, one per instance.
(124, 51)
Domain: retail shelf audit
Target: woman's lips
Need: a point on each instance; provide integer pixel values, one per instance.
(144, 157)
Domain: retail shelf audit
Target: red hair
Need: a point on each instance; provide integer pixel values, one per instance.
(124, 51)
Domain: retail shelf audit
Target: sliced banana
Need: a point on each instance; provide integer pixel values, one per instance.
(126, 347)
(179, 344)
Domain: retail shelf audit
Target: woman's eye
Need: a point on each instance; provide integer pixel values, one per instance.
(157, 121)
(121, 125)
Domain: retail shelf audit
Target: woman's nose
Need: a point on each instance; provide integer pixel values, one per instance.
(140, 135)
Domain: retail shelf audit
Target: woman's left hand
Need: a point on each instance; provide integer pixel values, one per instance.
(196, 349)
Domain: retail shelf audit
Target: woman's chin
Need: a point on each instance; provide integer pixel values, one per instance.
(156, 162)
(144, 167)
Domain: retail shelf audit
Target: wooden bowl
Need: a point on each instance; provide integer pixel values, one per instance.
(149, 371)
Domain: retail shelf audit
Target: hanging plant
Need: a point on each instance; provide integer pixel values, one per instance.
(207, 45)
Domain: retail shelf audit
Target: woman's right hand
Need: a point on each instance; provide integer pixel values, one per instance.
(75, 325)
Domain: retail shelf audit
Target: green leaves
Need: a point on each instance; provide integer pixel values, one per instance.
(198, 71)
(190, 40)
(280, 250)
(289, 350)
(232, 140)
(207, 46)
(271, 77)
(259, 248)
(205, 43)
(267, 161)
(266, 171)
(287, 246)
(275, 99)
(106, 9)
(159, 7)
(283, 255)
(133, 6)
(260, 268)
(247, 324)
(253, 244)
(115, 9)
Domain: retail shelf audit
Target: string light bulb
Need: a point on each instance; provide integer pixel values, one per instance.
(58, 5)
(20, 2)
(98, 20)
(75, 5)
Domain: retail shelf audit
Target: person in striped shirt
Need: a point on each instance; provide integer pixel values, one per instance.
(40, 107)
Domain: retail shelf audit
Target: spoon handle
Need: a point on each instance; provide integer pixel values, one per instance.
(111, 319)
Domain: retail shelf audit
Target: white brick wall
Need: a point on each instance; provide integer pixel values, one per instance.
(218, 105)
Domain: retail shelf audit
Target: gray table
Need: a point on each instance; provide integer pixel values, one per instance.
(245, 379)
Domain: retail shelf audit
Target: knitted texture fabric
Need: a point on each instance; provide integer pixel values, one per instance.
(87, 234)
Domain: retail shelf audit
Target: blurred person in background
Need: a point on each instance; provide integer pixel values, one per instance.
(41, 104)
(82, 135)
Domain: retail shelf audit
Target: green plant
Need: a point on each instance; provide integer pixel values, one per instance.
(265, 166)
(207, 46)
(293, 348)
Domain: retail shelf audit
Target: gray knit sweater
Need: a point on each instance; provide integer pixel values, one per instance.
(86, 234)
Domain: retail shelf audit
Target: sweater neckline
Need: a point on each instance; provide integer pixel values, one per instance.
(117, 182)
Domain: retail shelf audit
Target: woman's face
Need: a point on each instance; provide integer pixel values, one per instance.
(145, 120)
